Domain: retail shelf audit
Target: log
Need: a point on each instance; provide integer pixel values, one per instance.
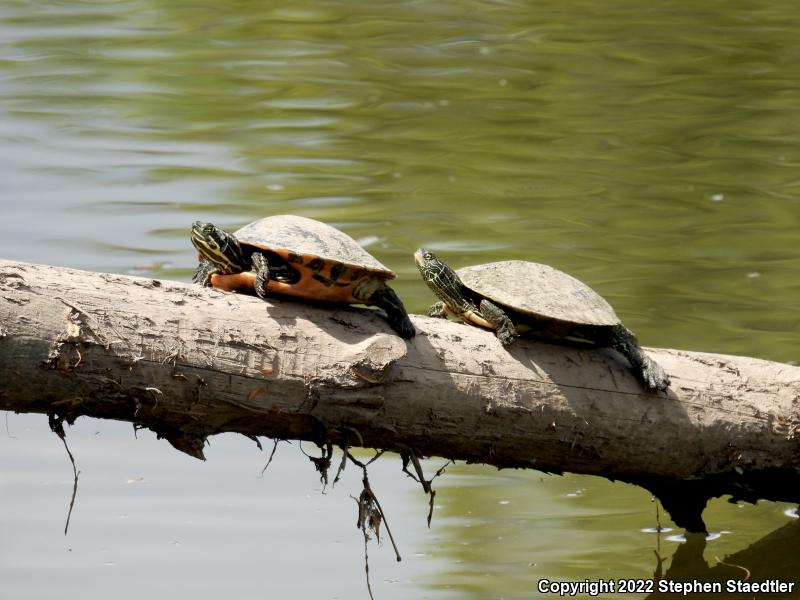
(190, 362)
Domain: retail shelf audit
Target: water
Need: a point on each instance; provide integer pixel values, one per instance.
(151, 521)
(651, 151)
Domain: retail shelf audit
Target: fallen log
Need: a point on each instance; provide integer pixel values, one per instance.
(190, 362)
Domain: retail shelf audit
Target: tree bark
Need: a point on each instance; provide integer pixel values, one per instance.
(189, 362)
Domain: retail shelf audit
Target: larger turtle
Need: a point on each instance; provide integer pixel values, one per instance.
(517, 296)
(296, 256)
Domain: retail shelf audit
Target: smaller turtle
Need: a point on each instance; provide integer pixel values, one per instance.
(296, 256)
(517, 296)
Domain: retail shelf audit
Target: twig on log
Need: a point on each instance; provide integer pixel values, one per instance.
(57, 427)
(409, 456)
(271, 455)
(370, 514)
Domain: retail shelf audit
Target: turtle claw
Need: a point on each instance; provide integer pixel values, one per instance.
(261, 267)
(386, 298)
(438, 310)
(403, 326)
(654, 377)
(645, 368)
(203, 272)
(507, 336)
(504, 328)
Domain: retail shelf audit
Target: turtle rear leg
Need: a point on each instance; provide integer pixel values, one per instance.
(494, 315)
(203, 273)
(646, 370)
(386, 298)
(261, 267)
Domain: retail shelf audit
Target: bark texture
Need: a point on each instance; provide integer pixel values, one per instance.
(189, 362)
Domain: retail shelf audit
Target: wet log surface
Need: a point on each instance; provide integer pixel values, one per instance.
(190, 362)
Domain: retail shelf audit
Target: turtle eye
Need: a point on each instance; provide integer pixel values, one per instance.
(212, 244)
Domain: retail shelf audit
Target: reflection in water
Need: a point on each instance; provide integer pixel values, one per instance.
(649, 150)
(514, 528)
(773, 557)
(151, 521)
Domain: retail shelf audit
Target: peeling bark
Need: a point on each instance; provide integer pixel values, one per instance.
(190, 362)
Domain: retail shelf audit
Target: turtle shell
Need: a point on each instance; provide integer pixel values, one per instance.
(331, 265)
(539, 291)
(308, 238)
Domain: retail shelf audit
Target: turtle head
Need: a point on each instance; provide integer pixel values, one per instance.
(218, 247)
(443, 281)
(428, 263)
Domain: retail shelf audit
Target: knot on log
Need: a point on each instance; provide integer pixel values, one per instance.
(187, 442)
(371, 362)
(67, 346)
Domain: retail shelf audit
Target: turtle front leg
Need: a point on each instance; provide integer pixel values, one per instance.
(261, 267)
(438, 310)
(646, 370)
(386, 298)
(203, 273)
(494, 315)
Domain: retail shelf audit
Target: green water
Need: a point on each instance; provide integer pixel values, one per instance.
(650, 150)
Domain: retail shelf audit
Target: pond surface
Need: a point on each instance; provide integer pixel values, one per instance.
(649, 150)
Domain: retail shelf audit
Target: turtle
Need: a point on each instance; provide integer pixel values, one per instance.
(517, 296)
(296, 256)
